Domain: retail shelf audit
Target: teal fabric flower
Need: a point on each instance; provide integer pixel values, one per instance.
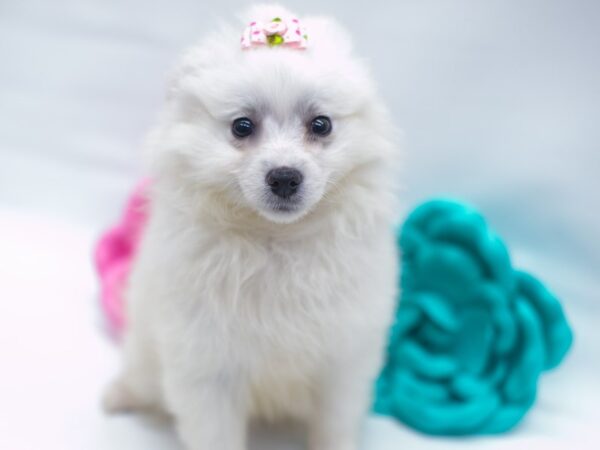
(472, 335)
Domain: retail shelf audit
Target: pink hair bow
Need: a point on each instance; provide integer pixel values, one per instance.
(288, 33)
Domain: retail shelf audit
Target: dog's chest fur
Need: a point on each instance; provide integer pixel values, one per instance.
(276, 310)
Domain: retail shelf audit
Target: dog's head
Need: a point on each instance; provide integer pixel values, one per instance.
(272, 129)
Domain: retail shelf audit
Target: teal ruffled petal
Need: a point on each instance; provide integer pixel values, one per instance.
(413, 356)
(434, 337)
(528, 362)
(473, 342)
(445, 269)
(505, 418)
(448, 418)
(410, 319)
(472, 335)
(418, 387)
(436, 309)
(466, 386)
(557, 332)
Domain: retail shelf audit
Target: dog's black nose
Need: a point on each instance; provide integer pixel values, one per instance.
(284, 181)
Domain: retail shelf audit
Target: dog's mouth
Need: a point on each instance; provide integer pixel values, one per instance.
(285, 206)
(283, 210)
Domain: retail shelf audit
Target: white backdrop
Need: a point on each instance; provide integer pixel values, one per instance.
(499, 102)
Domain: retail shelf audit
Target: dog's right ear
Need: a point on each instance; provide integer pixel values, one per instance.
(187, 72)
(327, 37)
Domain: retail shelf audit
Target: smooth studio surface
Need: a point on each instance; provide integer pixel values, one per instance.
(498, 103)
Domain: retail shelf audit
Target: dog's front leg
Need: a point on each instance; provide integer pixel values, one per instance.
(208, 409)
(343, 400)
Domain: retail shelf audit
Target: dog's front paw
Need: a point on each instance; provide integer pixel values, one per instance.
(118, 398)
(333, 444)
(334, 447)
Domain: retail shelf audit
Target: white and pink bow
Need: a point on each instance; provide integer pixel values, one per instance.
(287, 33)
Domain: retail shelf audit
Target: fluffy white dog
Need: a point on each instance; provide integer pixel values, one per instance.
(266, 278)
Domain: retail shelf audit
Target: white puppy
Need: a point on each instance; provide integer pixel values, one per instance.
(266, 279)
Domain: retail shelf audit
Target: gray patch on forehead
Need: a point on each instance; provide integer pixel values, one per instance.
(283, 106)
(307, 107)
(292, 110)
(252, 106)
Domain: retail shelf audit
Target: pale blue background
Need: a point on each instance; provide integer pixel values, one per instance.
(499, 103)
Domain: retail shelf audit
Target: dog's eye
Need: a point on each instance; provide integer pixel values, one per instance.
(320, 126)
(242, 127)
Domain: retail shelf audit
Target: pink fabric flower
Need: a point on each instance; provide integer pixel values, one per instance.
(288, 33)
(114, 254)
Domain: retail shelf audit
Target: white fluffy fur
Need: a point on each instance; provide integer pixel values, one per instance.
(237, 310)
